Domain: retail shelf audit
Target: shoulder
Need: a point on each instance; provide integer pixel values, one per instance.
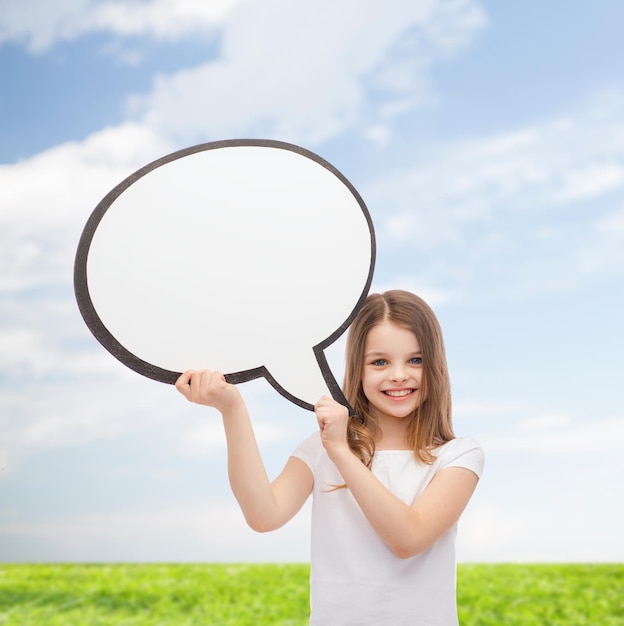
(310, 450)
(461, 452)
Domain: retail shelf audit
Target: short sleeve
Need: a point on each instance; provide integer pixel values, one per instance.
(463, 452)
(309, 451)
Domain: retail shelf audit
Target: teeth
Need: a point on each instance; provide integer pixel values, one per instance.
(398, 394)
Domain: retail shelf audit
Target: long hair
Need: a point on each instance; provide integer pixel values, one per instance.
(430, 425)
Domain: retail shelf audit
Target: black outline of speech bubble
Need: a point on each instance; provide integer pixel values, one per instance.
(104, 336)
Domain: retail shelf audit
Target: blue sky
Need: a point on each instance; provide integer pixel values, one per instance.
(487, 140)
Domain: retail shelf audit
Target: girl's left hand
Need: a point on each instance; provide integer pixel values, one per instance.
(333, 419)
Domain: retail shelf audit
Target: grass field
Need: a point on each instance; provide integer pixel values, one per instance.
(277, 595)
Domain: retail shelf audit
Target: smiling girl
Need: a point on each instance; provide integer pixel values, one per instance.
(388, 484)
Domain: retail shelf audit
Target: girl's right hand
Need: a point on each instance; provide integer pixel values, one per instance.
(208, 388)
(333, 420)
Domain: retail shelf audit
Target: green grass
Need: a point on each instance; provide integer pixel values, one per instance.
(163, 595)
(541, 595)
(277, 595)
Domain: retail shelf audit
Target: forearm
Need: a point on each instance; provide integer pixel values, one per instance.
(396, 523)
(408, 530)
(248, 477)
(265, 505)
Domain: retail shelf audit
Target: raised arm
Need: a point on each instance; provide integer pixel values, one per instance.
(406, 530)
(266, 505)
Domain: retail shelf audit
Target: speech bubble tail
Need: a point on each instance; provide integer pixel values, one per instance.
(306, 380)
(331, 382)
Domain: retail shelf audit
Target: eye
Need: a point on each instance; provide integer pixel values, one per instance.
(380, 362)
(417, 360)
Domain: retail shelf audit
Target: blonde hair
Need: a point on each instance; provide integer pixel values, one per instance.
(430, 425)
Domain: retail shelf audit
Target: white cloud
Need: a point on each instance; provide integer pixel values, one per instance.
(478, 206)
(563, 532)
(506, 427)
(163, 19)
(435, 297)
(298, 90)
(207, 436)
(471, 409)
(80, 409)
(544, 422)
(42, 24)
(322, 78)
(534, 169)
(62, 390)
(38, 23)
(589, 180)
(183, 532)
(535, 502)
(602, 251)
(47, 199)
(557, 434)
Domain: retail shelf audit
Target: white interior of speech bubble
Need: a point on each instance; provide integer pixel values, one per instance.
(241, 258)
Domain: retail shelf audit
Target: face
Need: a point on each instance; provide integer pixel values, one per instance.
(392, 373)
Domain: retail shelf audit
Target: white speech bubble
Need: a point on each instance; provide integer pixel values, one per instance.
(245, 256)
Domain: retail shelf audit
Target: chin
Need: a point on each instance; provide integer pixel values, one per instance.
(400, 412)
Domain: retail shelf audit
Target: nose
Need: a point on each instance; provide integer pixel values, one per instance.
(398, 373)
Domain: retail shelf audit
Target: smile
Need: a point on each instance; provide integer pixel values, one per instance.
(399, 393)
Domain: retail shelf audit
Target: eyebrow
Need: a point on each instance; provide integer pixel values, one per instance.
(372, 354)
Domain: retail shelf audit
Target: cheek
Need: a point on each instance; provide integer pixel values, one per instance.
(365, 384)
(369, 381)
(422, 387)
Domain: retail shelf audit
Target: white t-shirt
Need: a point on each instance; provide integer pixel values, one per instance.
(355, 579)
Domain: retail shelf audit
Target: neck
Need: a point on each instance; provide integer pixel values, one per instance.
(392, 436)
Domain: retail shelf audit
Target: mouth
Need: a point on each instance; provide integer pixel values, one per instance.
(399, 393)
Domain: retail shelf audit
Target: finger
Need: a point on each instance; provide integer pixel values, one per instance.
(321, 417)
(202, 378)
(183, 382)
(184, 377)
(323, 401)
(216, 378)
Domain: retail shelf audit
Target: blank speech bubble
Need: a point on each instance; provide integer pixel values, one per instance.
(245, 256)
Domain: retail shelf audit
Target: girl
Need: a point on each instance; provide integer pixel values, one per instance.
(388, 485)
